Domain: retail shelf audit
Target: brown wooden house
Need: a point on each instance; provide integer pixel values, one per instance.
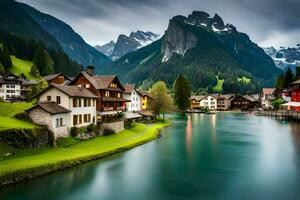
(245, 102)
(59, 78)
(107, 88)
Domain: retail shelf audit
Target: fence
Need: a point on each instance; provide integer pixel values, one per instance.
(282, 114)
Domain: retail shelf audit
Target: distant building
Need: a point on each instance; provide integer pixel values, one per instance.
(293, 91)
(26, 87)
(58, 78)
(10, 87)
(146, 98)
(267, 96)
(224, 101)
(134, 96)
(209, 102)
(245, 102)
(61, 107)
(195, 101)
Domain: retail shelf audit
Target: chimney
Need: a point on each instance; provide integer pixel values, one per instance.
(90, 70)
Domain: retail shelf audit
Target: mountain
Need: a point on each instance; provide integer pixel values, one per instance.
(71, 42)
(14, 19)
(204, 49)
(126, 44)
(285, 57)
(107, 48)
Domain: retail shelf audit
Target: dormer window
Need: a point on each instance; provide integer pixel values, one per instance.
(113, 85)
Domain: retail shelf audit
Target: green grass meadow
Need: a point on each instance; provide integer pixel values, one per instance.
(22, 66)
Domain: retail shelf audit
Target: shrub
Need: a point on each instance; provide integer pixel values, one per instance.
(91, 128)
(75, 131)
(26, 138)
(23, 116)
(128, 124)
(108, 131)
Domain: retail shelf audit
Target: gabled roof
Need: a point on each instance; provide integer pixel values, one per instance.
(53, 76)
(198, 97)
(71, 90)
(268, 91)
(50, 107)
(130, 87)
(146, 94)
(251, 98)
(99, 82)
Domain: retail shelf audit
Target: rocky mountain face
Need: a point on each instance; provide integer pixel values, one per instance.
(126, 44)
(202, 48)
(285, 57)
(107, 48)
(71, 42)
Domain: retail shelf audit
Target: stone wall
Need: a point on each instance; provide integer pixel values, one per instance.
(116, 126)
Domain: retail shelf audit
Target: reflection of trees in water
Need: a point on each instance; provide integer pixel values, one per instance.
(295, 128)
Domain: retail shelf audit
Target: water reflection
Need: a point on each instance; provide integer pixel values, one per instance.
(188, 135)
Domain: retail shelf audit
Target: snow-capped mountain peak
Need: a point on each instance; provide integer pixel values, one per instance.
(126, 44)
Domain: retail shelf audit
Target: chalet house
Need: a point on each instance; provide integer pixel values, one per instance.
(294, 93)
(109, 91)
(134, 96)
(195, 101)
(224, 101)
(267, 96)
(26, 87)
(146, 98)
(58, 78)
(209, 102)
(245, 102)
(61, 107)
(10, 87)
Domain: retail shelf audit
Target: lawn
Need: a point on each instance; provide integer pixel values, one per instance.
(219, 86)
(8, 110)
(34, 160)
(244, 79)
(22, 66)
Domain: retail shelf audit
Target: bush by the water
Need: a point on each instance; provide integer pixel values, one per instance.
(27, 138)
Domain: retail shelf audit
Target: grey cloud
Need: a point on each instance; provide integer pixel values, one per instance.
(99, 21)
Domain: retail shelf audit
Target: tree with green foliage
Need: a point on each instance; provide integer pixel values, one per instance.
(5, 58)
(277, 102)
(42, 84)
(43, 61)
(288, 77)
(182, 92)
(2, 70)
(297, 76)
(34, 71)
(280, 82)
(162, 101)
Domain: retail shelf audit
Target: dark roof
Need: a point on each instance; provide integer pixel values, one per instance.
(197, 97)
(53, 76)
(251, 98)
(146, 94)
(28, 82)
(11, 79)
(71, 90)
(128, 88)
(50, 107)
(100, 82)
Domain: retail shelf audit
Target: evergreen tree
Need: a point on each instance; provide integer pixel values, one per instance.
(34, 71)
(162, 101)
(297, 76)
(43, 62)
(182, 92)
(5, 58)
(288, 77)
(2, 70)
(280, 82)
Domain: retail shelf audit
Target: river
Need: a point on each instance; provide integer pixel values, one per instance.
(222, 156)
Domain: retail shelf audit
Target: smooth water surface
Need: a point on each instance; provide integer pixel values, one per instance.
(222, 156)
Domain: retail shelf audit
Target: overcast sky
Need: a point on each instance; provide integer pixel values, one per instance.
(267, 22)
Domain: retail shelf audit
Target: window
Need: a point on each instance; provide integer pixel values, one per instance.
(106, 93)
(119, 95)
(77, 119)
(76, 102)
(87, 85)
(58, 99)
(86, 118)
(48, 98)
(59, 122)
(87, 102)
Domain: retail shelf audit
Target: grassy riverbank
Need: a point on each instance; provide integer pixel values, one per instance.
(26, 164)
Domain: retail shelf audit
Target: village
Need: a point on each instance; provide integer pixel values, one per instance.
(68, 104)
